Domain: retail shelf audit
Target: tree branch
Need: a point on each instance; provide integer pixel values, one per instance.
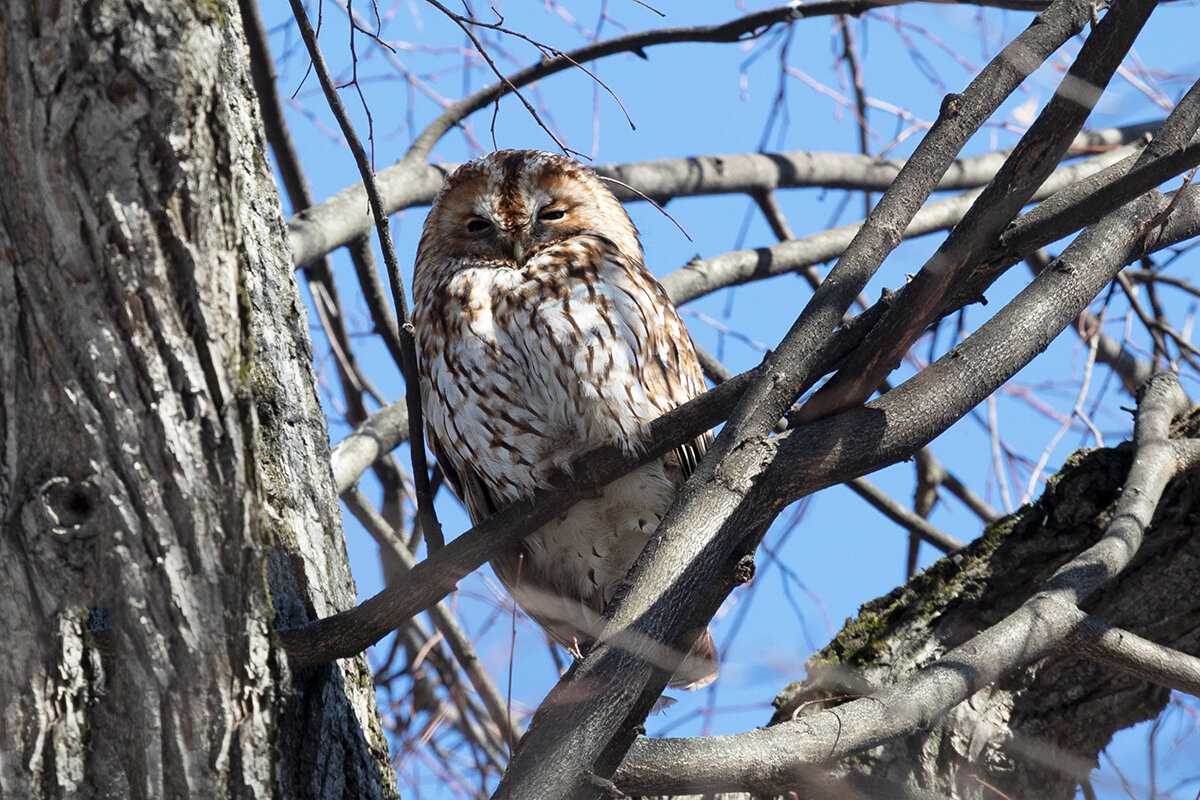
(378, 435)
(1132, 370)
(407, 184)
(416, 437)
(1035, 157)
(918, 526)
(1133, 655)
(766, 760)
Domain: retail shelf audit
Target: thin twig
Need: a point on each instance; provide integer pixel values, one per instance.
(917, 526)
(505, 86)
(428, 517)
(850, 53)
(1077, 411)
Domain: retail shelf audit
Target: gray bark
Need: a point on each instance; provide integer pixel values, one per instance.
(165, 494)
(1037, 732)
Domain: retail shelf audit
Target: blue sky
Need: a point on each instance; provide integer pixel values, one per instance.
(829, 554)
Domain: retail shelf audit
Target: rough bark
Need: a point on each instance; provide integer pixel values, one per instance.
(1038, 732)
(165, 495)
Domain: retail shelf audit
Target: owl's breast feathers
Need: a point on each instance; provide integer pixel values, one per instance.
(534, 366)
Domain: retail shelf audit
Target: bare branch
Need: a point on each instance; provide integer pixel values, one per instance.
(443, 620)
(918, 526)
(930, 471)
(409, 183)
(1034, 630)
(1035, 157)
(1132, 370)
(790, 365)
(378, 435)
(416, 437)
(747, 27)
(1130, 653)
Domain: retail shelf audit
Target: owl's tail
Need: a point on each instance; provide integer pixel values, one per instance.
(699, 668)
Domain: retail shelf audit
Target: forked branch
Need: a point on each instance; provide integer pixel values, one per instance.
(773, 759)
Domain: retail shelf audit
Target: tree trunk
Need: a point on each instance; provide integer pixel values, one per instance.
(165, 494)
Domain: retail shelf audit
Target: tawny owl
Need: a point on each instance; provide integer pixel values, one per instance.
(540, 336)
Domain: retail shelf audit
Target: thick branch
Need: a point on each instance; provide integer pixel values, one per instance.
(409, 183)
(767, 759)
(430, 580)
(1035, 157)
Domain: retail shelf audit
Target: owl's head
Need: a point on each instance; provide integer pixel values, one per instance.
(508, 205)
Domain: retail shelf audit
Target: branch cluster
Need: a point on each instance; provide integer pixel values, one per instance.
(774, 450)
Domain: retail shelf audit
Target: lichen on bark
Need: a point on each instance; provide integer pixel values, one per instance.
(1000, 735)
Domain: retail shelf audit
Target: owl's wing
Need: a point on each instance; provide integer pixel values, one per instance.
(465, 482)
(666, 359)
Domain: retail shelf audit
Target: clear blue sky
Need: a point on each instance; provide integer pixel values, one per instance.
(831, 553)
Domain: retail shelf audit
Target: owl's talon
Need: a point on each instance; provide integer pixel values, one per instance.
(558, 479)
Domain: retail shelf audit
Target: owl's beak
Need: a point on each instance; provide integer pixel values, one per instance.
(518, 250)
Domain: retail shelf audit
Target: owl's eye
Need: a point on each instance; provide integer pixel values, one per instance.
(477, 225)
(552, 214)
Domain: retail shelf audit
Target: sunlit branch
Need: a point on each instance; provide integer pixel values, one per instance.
(757, 760)
(426, 513)
(1035, 157)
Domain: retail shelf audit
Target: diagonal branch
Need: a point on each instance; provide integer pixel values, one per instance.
(757, 760)
(353, 631)
(1035, 157)
(378, 435)
(960, 117)
(916, 525)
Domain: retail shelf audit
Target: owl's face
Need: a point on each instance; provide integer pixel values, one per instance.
(507, 206)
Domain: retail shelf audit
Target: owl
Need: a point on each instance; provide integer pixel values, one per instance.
(540, 336)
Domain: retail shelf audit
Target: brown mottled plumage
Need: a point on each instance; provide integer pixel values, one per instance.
(541, 336)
